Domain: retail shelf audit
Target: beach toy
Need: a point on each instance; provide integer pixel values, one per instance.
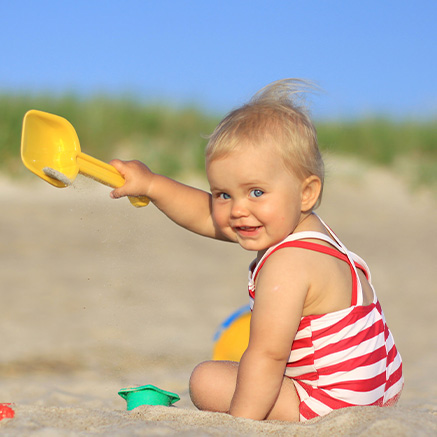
(147, 395)
(232, 337)
(6, 412)
(50, 148)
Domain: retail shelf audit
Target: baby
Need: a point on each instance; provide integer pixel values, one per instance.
(318, 337)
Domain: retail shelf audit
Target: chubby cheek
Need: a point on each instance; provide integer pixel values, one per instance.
(268, 214)
(220, 216)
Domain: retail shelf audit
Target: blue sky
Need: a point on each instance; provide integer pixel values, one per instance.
(370, 57)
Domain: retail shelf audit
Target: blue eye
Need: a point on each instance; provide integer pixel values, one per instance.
(224, 196)
(256, 193)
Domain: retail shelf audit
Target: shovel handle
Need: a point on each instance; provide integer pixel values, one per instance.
(107, 175)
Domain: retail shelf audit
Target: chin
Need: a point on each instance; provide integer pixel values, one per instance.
(252, 246)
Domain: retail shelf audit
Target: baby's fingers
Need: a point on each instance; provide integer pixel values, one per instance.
(137, 178)
(117, 193)
(120, 166)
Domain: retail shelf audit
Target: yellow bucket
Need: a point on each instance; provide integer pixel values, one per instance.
(232, 337)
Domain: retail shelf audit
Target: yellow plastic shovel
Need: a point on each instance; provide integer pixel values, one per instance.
(50, 148)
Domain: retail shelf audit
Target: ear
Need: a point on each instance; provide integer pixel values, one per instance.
(311, 188)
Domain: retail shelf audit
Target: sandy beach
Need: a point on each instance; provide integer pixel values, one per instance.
(97, 295)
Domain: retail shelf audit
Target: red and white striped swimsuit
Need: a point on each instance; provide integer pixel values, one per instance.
(345, 358)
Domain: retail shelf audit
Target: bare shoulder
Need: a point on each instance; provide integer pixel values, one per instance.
(286, 274)
(286, 262)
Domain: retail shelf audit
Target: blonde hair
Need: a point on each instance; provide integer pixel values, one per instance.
(276, 112)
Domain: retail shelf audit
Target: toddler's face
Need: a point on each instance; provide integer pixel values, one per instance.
(256, 201)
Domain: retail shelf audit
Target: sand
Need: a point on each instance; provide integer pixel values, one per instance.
(97, 295)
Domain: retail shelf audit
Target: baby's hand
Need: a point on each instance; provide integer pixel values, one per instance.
(137, 178)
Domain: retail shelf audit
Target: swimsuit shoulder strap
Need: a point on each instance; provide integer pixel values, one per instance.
(338, 250)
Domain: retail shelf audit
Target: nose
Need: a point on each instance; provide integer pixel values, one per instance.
(239, 208)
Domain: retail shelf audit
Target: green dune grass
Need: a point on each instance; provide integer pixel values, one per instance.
(172, 140)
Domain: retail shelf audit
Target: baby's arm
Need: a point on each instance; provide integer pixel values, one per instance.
(280, 296)
(187, 206)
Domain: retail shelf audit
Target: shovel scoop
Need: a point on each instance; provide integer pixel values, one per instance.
(50, 148)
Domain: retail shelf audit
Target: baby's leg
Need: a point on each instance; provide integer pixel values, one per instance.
(212, 386)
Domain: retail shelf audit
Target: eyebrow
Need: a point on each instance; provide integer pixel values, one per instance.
(254, 183)
(216, 189)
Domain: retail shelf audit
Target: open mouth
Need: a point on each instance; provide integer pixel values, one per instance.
(247, 230)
